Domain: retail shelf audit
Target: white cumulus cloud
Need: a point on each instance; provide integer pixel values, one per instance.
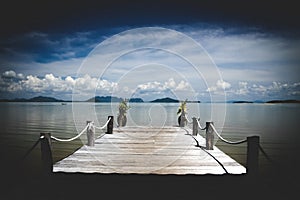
(169, 88)
(220, 85)
(9, 74)
(272, 90)
(50, 84)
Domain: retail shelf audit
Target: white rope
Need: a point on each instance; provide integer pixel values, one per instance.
(199, 124)
(71, 139)
(102, 127)
(189, 121)
(224, 140)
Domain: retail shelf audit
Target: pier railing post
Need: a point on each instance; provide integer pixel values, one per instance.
(195, 126)
(182, 119)
(90, 133)
(252, 155)
(209, 136)
(110, 125)
(46, 151)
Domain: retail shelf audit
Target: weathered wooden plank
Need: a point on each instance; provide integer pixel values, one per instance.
(168, 150)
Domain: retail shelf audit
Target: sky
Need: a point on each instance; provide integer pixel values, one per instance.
(199, 50)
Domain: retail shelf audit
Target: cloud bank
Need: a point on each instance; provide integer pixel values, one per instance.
(63, 87)
(252, 64)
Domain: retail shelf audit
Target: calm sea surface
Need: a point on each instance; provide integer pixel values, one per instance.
(21, 124)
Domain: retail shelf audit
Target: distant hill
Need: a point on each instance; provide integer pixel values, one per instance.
(104, 99)
(284, 101)
(51, 99)
(242, 101)
(260, 101)
(165, 100)
(45, 99)
(136, 100)
(34, 99)
(193, 101)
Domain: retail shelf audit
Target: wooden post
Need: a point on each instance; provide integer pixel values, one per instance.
(252, 155)
(182, 119)
(110, 125)
(90, 133)
(46, 151)
(209, 136)
(195, 126)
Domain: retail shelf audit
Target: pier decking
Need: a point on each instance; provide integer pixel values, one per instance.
(148, 150)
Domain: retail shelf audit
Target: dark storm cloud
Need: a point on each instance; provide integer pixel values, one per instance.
(41, 27)
(42, 47)
(52, 16)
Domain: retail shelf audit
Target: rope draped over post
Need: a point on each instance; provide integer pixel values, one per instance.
(252, 155)
(70, 139)
(209, 136)
(197, 124)
(224, 140)
(253, 148)
(265, 154)
(188, 120)
(110, 125)
(203, 148)
(102, 127)
(89, 128)
(31, 148)
(90, 133)
(46, 147)
(46, 151)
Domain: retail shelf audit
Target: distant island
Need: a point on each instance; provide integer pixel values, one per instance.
(136, 100)
(97, 99)
(165, 100)
(170, 100)
(34, 99)
(284, 101)
(106, 99)
(193, 101)
(272, 101)
(242, 101)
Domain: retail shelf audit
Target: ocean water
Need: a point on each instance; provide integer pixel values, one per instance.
(22, 123)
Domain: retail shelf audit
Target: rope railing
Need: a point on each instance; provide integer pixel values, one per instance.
(73, 138)
(199, 125)
(203, 149)
(240, 142)
(33, 146)
(265, 154)
(104, 126)
(187, 119)
(252, 149)
(89, 126)
(224, 140)
(46, 146)
(253, 146)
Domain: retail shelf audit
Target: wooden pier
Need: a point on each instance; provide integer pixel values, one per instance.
(149, 150)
